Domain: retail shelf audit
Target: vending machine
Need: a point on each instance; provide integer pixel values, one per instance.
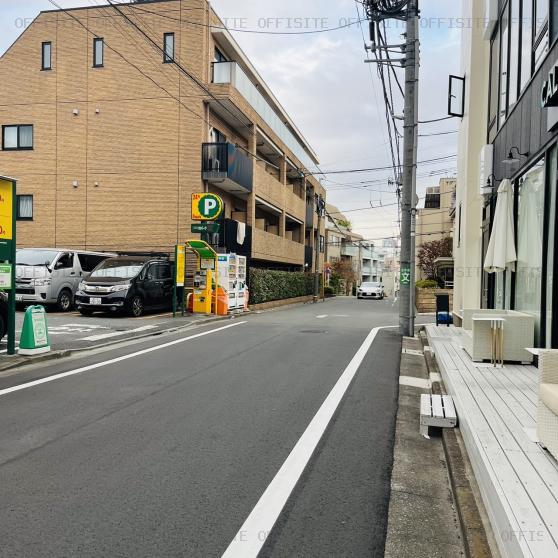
(232, 280)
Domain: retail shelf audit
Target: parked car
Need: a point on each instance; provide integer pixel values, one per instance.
(52, 276)
(3, 314)
(128, 284)
(371, 290)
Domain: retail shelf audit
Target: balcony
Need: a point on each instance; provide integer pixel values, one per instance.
(230, 73)
(271, 247)
(228, 167)
(350, 251)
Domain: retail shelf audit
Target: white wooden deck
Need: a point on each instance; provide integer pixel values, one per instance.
(497, 413)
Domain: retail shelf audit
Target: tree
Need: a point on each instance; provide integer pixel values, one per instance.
(430, 251)
(346, 224)
(343, 272)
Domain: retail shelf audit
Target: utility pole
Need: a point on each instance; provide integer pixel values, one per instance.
(410, 145)
(405, 10)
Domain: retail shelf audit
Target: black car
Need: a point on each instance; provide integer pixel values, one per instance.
(128, 284)
(3, 314)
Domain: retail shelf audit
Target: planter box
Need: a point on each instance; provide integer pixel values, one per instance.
(426, 299)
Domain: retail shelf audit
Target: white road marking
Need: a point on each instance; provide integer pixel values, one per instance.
(114, 360)
(116, 333)
(321, 317)
(252, 535)
(435, 377)
(414, 382)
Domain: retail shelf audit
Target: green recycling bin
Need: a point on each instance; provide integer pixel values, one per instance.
(34, 334)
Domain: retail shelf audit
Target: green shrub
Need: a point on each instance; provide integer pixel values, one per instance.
(267, 286)
(427, 284)
(329, 291)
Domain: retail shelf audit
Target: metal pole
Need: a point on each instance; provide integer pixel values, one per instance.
(406, 301)
(11, 295)
(317, 262)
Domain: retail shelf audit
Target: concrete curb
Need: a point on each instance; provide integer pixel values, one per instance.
(63, 353)
(470, 515)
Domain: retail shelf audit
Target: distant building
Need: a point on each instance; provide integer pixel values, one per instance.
(435, 219)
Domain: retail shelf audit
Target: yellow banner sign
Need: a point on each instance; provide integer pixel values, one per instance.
(180, 265)
(6, 209)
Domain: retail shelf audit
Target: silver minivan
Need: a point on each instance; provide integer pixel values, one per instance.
(51, 275)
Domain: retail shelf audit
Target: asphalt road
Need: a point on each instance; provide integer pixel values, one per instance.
(167, 452)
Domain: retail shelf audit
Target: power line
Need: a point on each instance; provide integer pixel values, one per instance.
(252, 31)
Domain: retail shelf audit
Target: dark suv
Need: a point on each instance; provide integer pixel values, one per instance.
(129, 284)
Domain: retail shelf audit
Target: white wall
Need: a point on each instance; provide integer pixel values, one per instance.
(475, 61)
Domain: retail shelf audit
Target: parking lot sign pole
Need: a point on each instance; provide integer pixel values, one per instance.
(8, 248)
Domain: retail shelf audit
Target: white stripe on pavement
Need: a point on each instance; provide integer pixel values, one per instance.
(252, 535)
(113, 361)
(100, 336)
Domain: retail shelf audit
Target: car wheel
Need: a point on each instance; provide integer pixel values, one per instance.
(85, 312)
(136, 306)
(64, 302)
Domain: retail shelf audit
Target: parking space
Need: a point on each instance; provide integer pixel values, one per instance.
(71, 330)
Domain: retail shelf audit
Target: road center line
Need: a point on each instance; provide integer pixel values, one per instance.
(252, 535)
(114, 360)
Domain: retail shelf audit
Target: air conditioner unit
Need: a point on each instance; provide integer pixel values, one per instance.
(486, 160)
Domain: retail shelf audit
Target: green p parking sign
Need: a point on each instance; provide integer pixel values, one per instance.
(206, 207)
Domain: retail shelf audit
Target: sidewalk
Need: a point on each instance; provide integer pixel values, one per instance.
(424, 519)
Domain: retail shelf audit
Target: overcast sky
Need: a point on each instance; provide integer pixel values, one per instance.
(333, 97)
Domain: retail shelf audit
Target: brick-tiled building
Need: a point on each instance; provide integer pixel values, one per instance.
(113, 116)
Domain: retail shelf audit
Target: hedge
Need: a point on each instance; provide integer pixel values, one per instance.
(266, 285)
(427, 284)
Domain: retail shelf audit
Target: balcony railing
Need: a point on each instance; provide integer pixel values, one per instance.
(227, 166)
(232, 73)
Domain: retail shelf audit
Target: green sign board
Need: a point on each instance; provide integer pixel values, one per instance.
(209, 227)
(405, 275)
(5, 276)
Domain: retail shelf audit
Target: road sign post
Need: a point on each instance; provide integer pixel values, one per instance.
(8, 249)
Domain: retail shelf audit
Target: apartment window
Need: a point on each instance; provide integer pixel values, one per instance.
(216, 136)
(219, 56)
(514, 53)
(526, 42)
(98, 52)
(322, 244)
(24, 208)
(494, 73)
(541, 31)
(46, 56)
(17, 137)
(168, 41)
(504, 46)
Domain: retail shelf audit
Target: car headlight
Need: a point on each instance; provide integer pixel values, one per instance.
(119, 288)
(41, 282)
(81, 286)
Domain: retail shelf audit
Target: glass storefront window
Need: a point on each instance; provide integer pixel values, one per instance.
(552, 165)
(530, 224)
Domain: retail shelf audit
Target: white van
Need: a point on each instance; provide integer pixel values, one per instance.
(52, 276)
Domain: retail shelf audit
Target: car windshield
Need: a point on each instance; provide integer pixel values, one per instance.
(370, 285)
(117, 269)
(35, 257)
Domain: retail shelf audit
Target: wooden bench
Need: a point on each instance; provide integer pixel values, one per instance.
(436, 410)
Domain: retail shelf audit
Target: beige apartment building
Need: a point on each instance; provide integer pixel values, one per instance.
(435, 220)
(112, 117)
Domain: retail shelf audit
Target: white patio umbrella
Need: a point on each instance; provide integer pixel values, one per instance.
(501, 254)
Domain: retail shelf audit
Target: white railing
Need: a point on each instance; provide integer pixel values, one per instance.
(231, 72)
